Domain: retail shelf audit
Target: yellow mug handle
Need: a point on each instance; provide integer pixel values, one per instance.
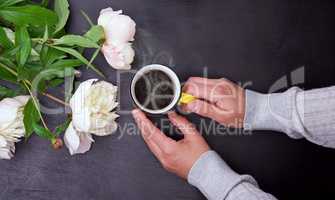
(186, 98)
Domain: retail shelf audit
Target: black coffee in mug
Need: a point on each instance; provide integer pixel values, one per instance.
(154, 90)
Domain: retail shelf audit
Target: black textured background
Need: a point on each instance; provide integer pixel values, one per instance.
(243, 40)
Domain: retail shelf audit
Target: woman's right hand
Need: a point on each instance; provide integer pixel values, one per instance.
(218, 99)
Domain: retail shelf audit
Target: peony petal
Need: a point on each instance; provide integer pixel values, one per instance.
(111, 55)
(119, 57)
(113, 106)
(107, 130)
(102, 96)
(106, 15)
(77, 142)
(120, 29)
(6, 154)
(71, 139)
(127, 53)
(6, 149)
(9, 110)
(22, 99)
(80, 112)
(3, 142)
(85, 143)
(104, 124)
(82, 120)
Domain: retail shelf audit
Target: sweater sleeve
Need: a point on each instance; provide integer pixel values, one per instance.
(217, 181)
(299, 114)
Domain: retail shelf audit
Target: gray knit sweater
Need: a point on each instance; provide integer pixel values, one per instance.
(299, 114)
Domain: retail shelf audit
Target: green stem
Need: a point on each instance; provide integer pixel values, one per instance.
(36, 104)
(55, 99)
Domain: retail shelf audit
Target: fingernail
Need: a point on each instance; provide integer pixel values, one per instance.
(135, 111)
(136, 114)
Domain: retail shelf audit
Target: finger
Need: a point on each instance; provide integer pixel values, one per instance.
(210, 90)
(208, 81)
(150, 132)
(227, 104)
(154, 148)
(199, 90)
(183, 125)
(202, 80)
(206, 109)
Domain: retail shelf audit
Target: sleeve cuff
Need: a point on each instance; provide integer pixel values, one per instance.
(257, 112)
(271, 111)
(213, 177)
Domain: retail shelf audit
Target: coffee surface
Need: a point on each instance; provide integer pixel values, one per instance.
(154, 90)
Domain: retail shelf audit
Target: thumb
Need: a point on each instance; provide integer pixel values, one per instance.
(187, 128)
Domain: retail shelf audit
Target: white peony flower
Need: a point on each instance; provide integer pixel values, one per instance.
(11, 124)
(92, 106)
(119, 31)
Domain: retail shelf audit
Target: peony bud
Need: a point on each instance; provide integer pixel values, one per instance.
(118, 28)
(57, 143)
(119, 31)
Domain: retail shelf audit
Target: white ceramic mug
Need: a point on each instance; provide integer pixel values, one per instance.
(174, 80)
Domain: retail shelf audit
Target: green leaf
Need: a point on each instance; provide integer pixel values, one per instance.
(8, 62)
(46, 77)
(46, 33)
(49, 74)
(4, 40)
(23, 41)
(50, 55)
(65, 63)
(62, 127)
(6, 3)
(96, 33)
(38, 31)
(7, 92)
(29, 14)
(29, 71)
(77, 55)
(95, 54)
(42, 132)
(76, 40)
(10, 52)
(62, 9)
(30, 116)
(6, 75)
